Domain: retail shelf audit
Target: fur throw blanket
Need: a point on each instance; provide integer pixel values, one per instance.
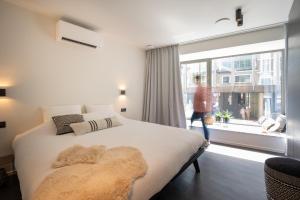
(110, 178)
(79, 154)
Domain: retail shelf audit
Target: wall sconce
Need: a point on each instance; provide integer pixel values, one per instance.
(2, 124)
(122, 92)
(2, 92)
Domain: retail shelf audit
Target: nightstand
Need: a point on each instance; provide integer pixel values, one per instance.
(10, 190)
(7, 162)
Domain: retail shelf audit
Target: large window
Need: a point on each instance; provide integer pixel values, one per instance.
(248, 86)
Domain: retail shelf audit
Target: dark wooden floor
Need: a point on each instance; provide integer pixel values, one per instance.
(221, 178)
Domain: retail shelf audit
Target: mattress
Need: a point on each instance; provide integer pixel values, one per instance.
(165, 149)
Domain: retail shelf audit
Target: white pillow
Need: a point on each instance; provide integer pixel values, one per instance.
(261, 120)
(279, 124)
(94, 125)
(50, 111)
(97, 115)
(102, 111)
(268, 123)
(281, 120)
(99, 108)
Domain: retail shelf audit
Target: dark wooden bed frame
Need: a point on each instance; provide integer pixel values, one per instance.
(193, 159)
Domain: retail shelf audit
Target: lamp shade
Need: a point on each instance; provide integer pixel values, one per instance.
(2, 92)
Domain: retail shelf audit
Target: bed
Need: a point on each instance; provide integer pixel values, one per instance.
(167, 151)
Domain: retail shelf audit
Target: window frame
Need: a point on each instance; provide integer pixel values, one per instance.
(283, 72)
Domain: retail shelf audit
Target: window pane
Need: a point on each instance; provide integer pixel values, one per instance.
(188, 72)
(248, 86)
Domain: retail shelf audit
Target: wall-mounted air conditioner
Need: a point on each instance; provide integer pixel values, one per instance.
(66, 31)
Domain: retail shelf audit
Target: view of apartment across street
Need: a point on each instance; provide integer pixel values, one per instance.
(248, 86)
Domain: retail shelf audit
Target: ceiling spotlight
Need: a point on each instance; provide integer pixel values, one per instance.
(239, 17)
(149, 46)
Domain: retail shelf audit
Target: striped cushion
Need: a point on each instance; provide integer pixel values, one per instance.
(94, 125)
(62, 122)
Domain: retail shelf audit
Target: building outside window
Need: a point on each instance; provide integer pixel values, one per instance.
(248, 86)
(242, 78)
(242, 63)
(226, 80)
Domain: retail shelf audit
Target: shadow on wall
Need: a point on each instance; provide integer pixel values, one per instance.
(47, 25)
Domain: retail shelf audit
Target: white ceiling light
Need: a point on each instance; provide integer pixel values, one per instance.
(149, 46)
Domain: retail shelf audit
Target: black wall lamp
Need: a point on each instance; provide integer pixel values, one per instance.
(123, 92)
(2, 124)
(2, 92)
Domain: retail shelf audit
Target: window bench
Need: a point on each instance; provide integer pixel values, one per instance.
(245, 136)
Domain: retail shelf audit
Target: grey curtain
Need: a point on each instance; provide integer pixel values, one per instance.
(163, 103)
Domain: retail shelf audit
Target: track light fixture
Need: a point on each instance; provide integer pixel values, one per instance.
(239, 17)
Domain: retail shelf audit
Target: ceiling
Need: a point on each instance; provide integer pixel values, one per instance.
(164, 22)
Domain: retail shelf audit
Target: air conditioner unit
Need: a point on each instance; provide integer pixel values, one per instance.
(72, 33)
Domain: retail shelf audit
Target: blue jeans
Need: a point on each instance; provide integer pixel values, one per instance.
(201, 115)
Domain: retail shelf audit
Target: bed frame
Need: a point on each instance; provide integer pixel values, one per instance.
(193, 159)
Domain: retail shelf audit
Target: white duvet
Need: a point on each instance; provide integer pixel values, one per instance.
(164, 148)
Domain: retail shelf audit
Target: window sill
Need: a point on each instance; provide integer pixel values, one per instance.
(241, 128)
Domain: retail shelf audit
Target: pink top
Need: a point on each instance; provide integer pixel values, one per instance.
(202, 99)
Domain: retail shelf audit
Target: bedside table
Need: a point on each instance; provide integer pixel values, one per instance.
(11, 190)
(7, 162)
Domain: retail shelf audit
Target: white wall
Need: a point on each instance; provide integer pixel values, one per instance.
(37, 71)
(252, 37)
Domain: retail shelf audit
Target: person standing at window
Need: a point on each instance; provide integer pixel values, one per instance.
(202, 105)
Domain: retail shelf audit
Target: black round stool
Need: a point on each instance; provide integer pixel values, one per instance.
(282, 178)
